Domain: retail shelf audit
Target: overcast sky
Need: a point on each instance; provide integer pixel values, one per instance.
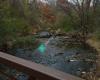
(46, 1)
(54, 1)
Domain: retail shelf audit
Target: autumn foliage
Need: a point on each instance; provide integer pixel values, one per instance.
(47, 13)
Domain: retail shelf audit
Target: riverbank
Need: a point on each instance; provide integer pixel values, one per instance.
(96, 44)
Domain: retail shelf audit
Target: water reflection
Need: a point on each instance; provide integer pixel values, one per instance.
(55, 57)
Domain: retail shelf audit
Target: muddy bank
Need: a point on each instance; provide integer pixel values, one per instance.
(96, 45)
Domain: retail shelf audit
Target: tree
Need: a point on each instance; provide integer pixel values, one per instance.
(81, 12)
(47, 17)
(12, 24)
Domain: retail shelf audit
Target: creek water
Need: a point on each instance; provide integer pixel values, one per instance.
(54, 53)
(56, 57)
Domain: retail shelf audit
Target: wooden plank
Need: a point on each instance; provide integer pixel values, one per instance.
(36, 70)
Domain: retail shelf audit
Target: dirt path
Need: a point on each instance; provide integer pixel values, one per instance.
(96, 45)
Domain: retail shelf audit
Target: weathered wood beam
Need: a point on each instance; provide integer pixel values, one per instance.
(35, 70)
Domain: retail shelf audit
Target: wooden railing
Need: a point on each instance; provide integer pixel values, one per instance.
(35, 71)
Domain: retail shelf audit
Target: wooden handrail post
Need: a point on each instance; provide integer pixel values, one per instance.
(32, 78)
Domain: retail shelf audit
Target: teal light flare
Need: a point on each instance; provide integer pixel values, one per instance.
(42, 48)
